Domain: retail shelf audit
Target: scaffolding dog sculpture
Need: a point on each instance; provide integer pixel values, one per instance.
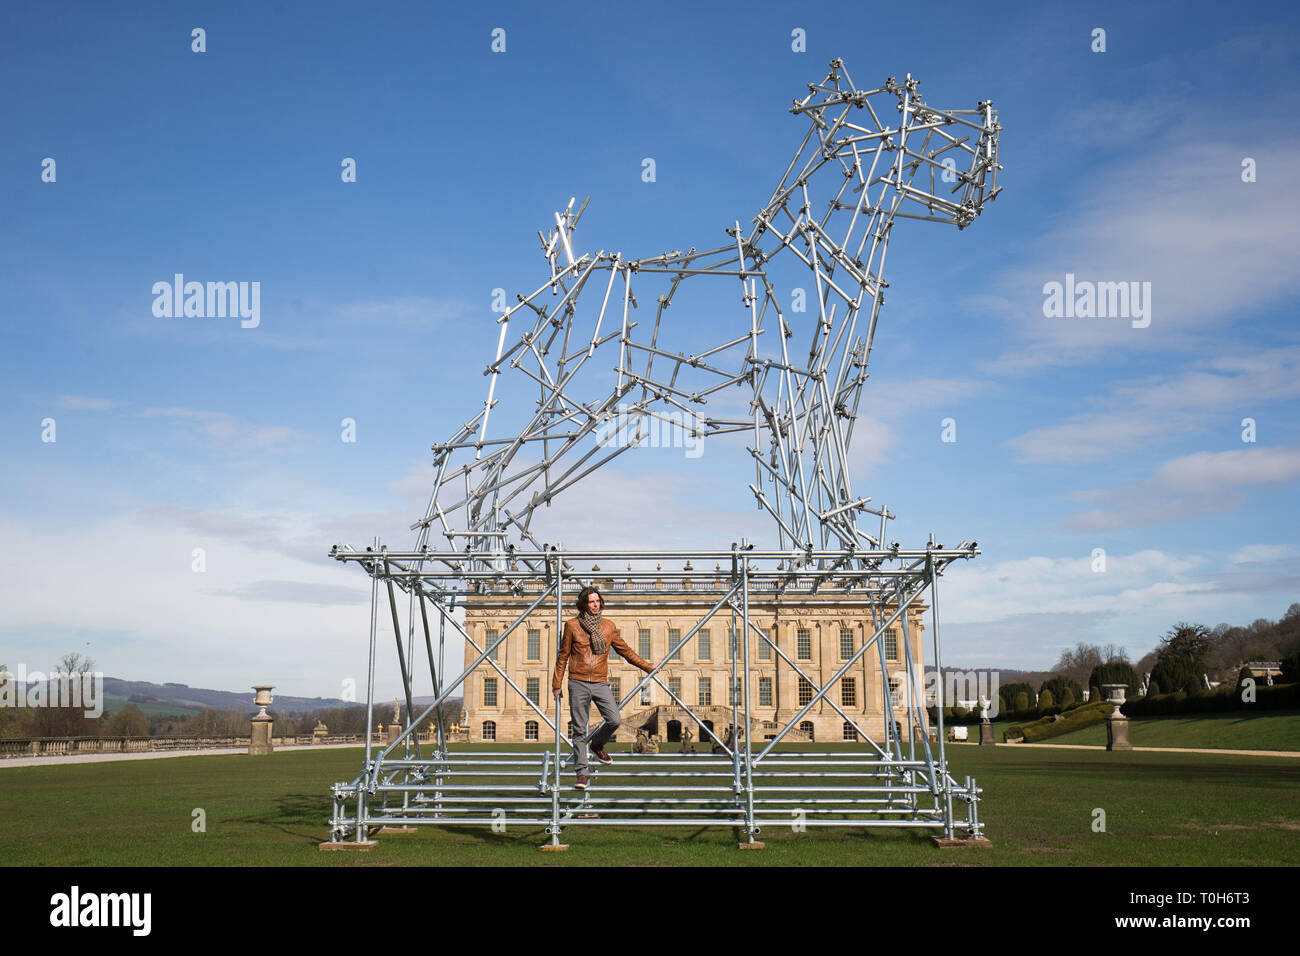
(809, 273)
(825, 230)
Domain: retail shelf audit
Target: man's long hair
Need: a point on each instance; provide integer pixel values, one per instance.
(581, 602)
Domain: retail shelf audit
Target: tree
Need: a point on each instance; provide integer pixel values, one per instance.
(1115, 672)
(1180, 659)
(217, 723)
(1020, 703)
(127, 722)
(1113, 653)
(1291, 667)
(62, 715)
(1046, 702)
(1186, 642)
(1010, 692)
(1076, 663)
(1175, 676)
(1058, 685)
(1067, 699)
(282, 725)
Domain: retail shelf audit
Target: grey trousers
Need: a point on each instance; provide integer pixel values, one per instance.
(581, 696)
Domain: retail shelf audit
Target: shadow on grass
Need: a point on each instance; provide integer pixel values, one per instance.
(302, 816)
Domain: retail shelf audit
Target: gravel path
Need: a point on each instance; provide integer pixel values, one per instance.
(1163, 750)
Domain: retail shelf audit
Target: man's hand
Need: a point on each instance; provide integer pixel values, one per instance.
(558, 693)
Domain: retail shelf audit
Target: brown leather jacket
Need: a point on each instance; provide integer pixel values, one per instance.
(575, 651)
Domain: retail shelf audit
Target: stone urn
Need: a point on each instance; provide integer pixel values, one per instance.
(260, 740)
(1116, 723)
(263, 700)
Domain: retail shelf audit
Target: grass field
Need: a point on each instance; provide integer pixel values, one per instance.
(114, 703)
(1160, 809)
(1262, 730)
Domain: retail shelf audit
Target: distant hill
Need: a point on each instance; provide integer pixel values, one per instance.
(191, 699)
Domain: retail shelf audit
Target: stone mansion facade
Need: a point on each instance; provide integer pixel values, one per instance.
(815, 632)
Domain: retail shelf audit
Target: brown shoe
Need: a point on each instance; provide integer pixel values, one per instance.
(599, 753)
(582, 781)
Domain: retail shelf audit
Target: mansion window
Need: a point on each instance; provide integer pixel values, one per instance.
(533, 688)
(643, 642)
(530, 730)
(803, 644)
(704, 645)
(846, 643)
(705, 698)
(848, 692)
(850, 732)
(534, 644)
(805, 691)
(489, 730)
(616, 688)
(674, 636)
(765, 692)
(675, 687)
(891, 645)
(735, 691)
(764, 648)
(489, 638)
(490, 692)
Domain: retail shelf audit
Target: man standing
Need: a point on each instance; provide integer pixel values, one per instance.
(584, 648)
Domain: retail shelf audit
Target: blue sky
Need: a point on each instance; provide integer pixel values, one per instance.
(175, 434)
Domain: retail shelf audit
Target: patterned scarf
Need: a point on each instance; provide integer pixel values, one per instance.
(591, 624)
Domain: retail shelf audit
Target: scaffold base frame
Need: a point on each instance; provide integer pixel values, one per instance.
(898, 782)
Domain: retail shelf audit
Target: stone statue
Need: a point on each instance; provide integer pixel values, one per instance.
(728, 741)
(687, 737)
(642, 742)
(397, 712)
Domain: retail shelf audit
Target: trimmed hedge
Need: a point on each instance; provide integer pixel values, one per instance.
(1276, 697)
(1047, 727)
(954, 715)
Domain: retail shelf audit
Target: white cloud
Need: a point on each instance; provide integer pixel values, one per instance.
(1134, 415)
(1263, 553)
(981, 591)
(229, 432)
(154, 618)
(1023, 612)
(1192, 486)
(1179, 216)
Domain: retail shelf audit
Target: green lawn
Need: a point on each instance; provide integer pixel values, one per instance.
(1242, 730)
(1161, 809)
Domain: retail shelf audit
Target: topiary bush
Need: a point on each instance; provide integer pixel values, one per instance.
(1076, 719)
